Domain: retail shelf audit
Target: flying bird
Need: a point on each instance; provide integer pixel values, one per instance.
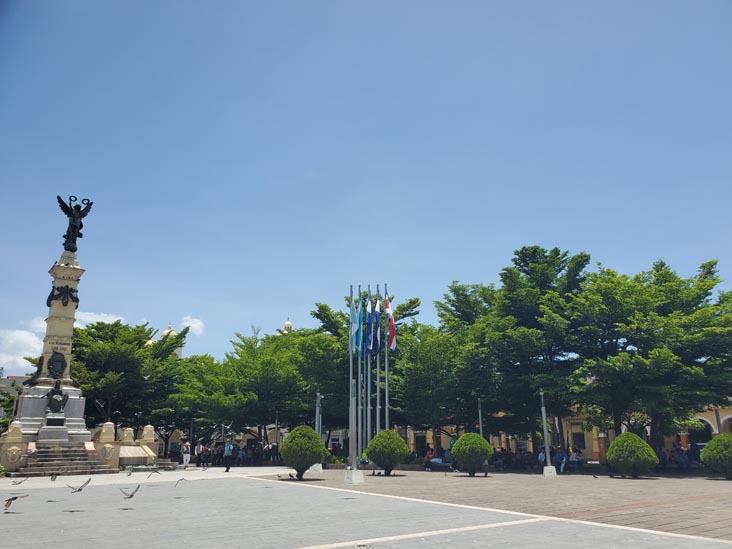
(291, 475)
(129, 473)
(16, 482)
(153, 471)
(177, 482)
(130, 495)
(54, 476)
(9, 501)
(75, 489)
(595, 476)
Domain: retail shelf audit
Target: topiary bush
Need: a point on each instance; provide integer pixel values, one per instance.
(717, 455)
(387, 449)
(470, 451)
(2, 471)
(302, 449)
(630, 455)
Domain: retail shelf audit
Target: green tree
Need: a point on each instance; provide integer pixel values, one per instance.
(655, 344)
(470, 451)
(302, 448)
(387, 450)
(514, 340)
(109, 362)
(266, 368)
(631, 455)
(718, 454)
(426, 390)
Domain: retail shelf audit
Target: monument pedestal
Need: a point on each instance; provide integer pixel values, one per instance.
(38, 424)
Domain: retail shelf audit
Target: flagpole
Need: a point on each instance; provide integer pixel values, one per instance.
(378, 365)
(360, 379)
(352, 395)
(368, 369)
(387, 424)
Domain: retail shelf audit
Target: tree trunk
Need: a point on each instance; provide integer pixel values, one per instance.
(617, 423)
(558, 426)
(437, 439)
(656, 436)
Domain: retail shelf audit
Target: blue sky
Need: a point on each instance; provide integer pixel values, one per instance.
(248, 159)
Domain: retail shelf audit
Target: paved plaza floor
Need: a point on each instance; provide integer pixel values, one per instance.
(263, 507)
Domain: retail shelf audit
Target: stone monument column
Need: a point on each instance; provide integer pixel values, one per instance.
(62, 303)
(51, 407)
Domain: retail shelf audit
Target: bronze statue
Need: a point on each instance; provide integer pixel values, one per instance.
(56, 399)
(75, 213)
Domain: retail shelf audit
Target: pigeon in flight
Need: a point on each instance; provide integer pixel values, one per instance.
(54, 476)
(75, 489)
(153, 471)
(16, 482)
(9, 501)
(130, 495)
(291, 475)
(177, 482)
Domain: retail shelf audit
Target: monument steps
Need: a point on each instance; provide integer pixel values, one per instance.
(22, 473)
(62, 458)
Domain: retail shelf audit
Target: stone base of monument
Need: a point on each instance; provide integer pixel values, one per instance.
(354, 476)
(53, 433)
(46, 458)
(36, 423)
(316, 469)
(550, 471)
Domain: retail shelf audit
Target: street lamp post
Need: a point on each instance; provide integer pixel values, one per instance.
(318, 415)
(549, 469)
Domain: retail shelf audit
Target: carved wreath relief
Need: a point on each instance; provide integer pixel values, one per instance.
(56, 365)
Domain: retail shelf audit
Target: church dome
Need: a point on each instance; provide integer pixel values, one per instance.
(288, 326)
(168, 332)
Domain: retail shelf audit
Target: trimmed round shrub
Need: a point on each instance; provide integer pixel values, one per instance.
(302, 449)
(717, 455)
(387, 449)
(470, 451)
(630, 455)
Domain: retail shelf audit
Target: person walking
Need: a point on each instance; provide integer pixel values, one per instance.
(186, 453)
(228, 450)
(198, 453)
(205, 455)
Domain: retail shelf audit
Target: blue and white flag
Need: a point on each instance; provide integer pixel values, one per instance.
(377, 324)
(369, 326)
(354, 326)
(359, 331)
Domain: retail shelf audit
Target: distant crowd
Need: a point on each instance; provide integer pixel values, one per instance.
(566, 461)
(228, 454)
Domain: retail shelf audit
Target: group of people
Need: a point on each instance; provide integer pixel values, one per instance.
(565, 461)
(228, 454)
(678, 455)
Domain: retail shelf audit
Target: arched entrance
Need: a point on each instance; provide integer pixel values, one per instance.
(702, 435)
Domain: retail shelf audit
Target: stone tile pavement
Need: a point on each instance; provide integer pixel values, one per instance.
(264, 508)
(697, 506)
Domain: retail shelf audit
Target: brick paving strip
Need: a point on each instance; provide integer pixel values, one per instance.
(694, 506)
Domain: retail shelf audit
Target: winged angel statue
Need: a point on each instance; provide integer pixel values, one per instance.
(75, 213)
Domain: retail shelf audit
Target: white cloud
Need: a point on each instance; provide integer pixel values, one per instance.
(195, 324)
(14, 345)
(37, 325)
(83, 319)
